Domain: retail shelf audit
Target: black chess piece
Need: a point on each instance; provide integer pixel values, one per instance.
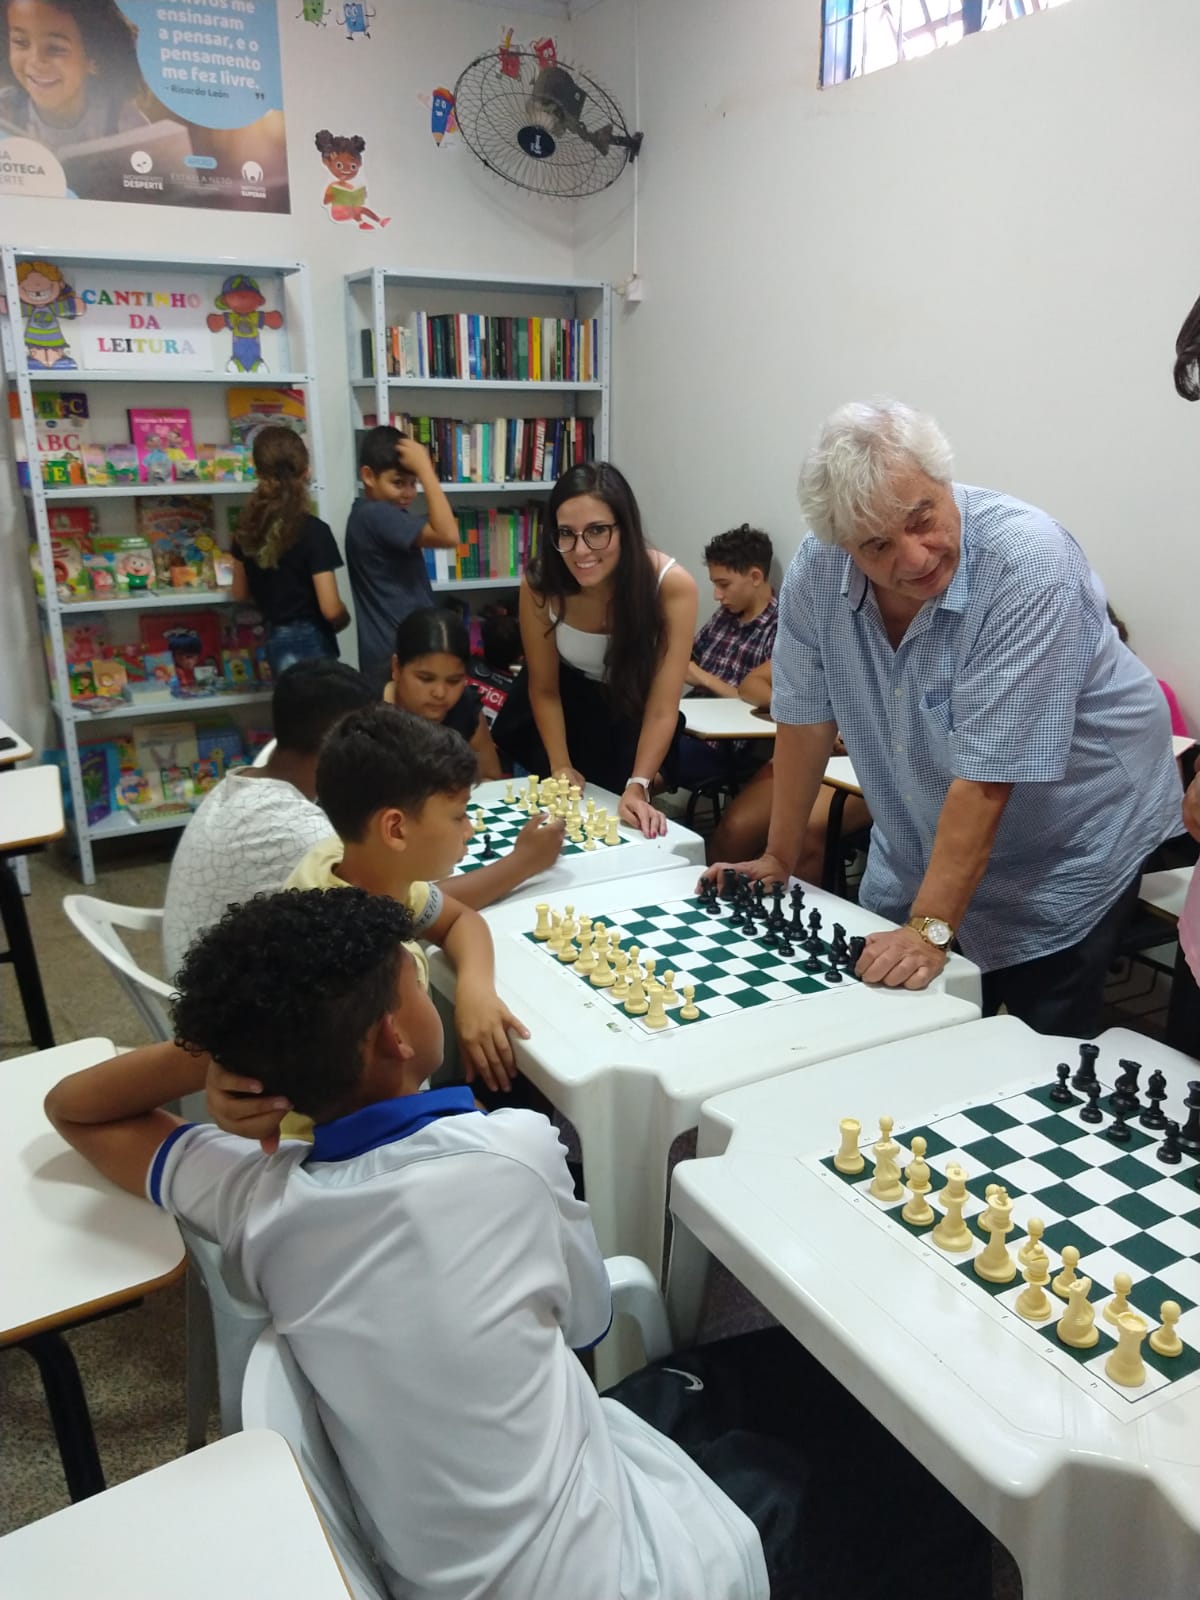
(489, 851)
(1118, 1130)
(814, 921)
(749, 927)
(785, 946)
(1189, 1139)
(777, 918)
(1125, 1096)
(1154, 1116)
(839, 945)
(1061, 1093)
(1092, 1112)
(759, 893)
(1085, 1072)
(1168, 1151)
(857, 945)
(796, 894)
(813, 964)
(833, 973)
(768, 936)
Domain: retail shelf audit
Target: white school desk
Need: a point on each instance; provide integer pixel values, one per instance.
(232, 1519)
(31, 815)
(1088, 1503)
(74, 1244)
(720, 717)
(636, 855)
(631, 1095)
(21, 750)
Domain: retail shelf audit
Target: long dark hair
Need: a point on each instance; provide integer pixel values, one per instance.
(635, 620)
(275, 512)
(1187, 356)
(432, 632)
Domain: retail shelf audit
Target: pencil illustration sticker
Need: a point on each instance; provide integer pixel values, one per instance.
(441, 115)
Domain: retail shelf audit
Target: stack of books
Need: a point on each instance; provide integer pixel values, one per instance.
(492, 543)
(508, 450)
(502, 349)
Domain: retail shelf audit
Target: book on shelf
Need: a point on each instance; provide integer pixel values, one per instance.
(180, 532)
(493, 542)
(252, 409)
(61, 423)
(163, 441)
(497, 349)
(506, 450)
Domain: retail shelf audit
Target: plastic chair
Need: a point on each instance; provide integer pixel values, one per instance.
(221, 1327)
(277, 1395)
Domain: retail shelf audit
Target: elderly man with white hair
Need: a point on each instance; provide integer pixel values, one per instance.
(1015, 756)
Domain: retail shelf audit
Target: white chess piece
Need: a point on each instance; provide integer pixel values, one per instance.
(670, 998)
(587, 961)
(652, 983)
(1033, 1246)
(849, 1158)
(1165, 1341)
(689, 1010)
(612, 832)
(918, 1211)
(886, 1185)
(1033, 1303)
(542, 928)
(1125, 1365)
(656, 1017)
(620, 988)
(636, 1005)
(952, 1233)
(1119, 1304)
(601, 975)
(994, 1264)
(1070, 1260)
(1077, 1325)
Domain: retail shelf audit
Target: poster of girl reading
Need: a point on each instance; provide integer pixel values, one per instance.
(113, 100)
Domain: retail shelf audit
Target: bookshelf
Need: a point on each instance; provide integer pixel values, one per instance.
(487, 309)
(145, 374)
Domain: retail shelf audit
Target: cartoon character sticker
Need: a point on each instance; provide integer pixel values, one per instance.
(544, 50)
(314, 11)
(510, 59)
(240, 309)
(441, 115)
(356, 19)
(45, 298)
(343, 200)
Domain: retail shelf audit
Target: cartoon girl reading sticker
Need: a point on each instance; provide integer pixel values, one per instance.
(45, 297)
(239, 308)
(342, 155)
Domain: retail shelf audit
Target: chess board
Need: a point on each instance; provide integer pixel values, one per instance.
(502, 823)
(1117, 1204)
(729, 969)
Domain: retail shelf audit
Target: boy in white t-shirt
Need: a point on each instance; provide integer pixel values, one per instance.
(431, 1268)
(253, 828)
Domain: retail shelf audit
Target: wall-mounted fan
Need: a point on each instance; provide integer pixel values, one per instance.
(543, 126)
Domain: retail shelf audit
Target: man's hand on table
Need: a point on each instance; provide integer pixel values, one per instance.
(900, 959)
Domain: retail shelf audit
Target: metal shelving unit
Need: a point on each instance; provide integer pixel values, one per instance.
(296, 347)
(381, 296)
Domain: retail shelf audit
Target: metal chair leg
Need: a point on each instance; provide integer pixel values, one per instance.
(68, 1408)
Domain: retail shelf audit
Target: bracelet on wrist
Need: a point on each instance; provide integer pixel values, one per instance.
(640, 783)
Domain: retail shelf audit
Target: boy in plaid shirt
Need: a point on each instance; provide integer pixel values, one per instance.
(738, 637)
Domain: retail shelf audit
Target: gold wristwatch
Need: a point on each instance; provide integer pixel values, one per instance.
(934, 930)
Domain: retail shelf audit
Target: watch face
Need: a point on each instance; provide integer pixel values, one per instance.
(938, 932)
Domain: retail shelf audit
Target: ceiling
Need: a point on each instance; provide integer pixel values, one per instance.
(563, 9)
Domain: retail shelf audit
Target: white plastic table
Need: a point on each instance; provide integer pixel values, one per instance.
(232, 1519)
(721, 717)
(31, 814)
(1088, 1503)
(19, 750)
(631, 1095)
(74, 1245)
(605, 862)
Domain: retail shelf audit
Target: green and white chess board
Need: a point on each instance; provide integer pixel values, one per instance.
(1122, 1209)
(502, 823)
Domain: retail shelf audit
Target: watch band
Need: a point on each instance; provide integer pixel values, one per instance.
(920, 925)
(643, 783)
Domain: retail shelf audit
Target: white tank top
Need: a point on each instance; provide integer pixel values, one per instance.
(586, 652)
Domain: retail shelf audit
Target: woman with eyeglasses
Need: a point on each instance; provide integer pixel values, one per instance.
(607, 625)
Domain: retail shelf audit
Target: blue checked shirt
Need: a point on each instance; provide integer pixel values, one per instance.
(1012, 675)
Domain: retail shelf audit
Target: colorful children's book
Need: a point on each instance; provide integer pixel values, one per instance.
(95, 466)
(163, 441)
(179, 531)
(253, 409)
(121, 461)
(128, 561)
(61, 431)
(166, 753)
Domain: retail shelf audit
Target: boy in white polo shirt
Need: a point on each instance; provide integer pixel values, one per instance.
(431, 1268)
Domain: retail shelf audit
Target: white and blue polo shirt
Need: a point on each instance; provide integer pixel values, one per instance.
(431, 1269)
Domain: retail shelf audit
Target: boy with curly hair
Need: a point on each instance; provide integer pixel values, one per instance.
(431, 1269)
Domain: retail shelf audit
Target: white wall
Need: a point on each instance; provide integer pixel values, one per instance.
(1004, 233)
(449, 214)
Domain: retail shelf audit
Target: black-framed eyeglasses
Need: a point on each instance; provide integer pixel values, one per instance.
(597, 536)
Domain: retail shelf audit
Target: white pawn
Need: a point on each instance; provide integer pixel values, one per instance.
(1119, 1304)
(1125, 1365)
(670, 998)
(689, 1010)
(1033, 1246)
(1033, 1303)
(589, 842)
(918, 1211)
(1070, 1260)
(542, 928)
(1165, 1341)
(636, 1005)
(1077, 1325)
(952, 1233)
(508, 793)
(656, 1017)
(620, 988)
(849, 1158)
(648, 967)
(886, 1185)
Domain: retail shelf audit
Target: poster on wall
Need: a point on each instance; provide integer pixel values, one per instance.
(178, 105)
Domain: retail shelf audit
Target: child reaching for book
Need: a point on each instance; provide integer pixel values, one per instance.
(285, 559)
(396, 787)
(384, 541)
(72, 71)
(430, 665)
(607, 625)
